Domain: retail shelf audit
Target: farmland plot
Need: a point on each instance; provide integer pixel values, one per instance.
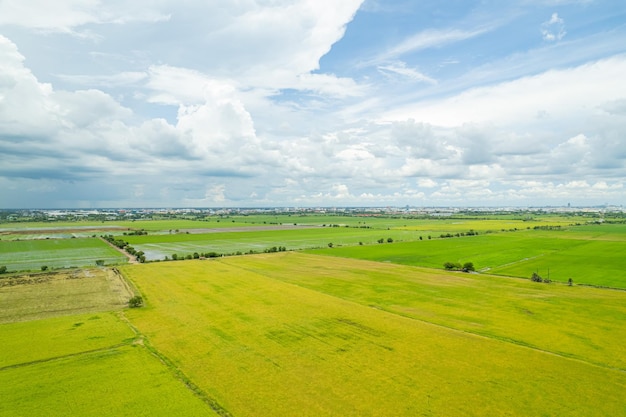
(259, 341)
(27, 255)
(56, 362)
(160, 246)
(30, 297)
(558, 253)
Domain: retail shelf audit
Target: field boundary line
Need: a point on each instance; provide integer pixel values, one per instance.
(57, 358)
(453, 329)
(142, 340)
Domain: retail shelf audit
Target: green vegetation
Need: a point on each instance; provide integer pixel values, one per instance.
(580, 322)
(28, 255)
(357, 326)
(113, 381)
(80, 364)
(594, 260)
(286, 333)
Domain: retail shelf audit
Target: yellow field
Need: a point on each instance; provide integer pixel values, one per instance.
(258, 345)
(36, 296)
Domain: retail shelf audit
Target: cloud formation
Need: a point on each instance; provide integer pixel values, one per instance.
(249, 104)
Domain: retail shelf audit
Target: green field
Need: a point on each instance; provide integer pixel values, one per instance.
(86, 366)
(293, 334)
(362, 328)
(159, 246)
(58, 360)
(592, 256)
(25, 255)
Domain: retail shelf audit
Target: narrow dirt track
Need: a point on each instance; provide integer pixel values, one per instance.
(131, 258)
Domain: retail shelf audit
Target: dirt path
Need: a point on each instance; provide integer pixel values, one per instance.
(131, 258)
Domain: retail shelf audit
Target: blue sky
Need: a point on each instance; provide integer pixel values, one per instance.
(312, 103)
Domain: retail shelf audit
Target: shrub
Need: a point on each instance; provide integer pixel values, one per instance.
(136, 301)
(44, 267)
(450, 266)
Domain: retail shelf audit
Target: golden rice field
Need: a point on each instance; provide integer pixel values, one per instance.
(292, 334)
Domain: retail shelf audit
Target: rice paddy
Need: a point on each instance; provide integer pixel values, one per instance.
(359, 328)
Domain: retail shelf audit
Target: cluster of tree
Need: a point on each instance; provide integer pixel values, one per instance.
(456, 266)
(136, 301)
(136, 233)
(382, 240)
(115, 242)
(535, 277)
(471, 232)
(195, 255)
(123, 245)
(275, 249)
(557, 227)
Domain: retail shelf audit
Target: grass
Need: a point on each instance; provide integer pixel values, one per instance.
(86, 365)
(26, 255)
(30, 297)
(288, 334)
(563, 254)
(124, 381)
(159, 246)
(578, 322)
(35, 341)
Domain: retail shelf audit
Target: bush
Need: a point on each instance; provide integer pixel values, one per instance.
(136, 301)
(468, 266)
(3, 269)
(44, 267)
(452, 266)
(389, 240)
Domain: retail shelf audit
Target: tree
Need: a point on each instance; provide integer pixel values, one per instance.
(389, 240)
(450, 266)
(330, 245)
(536, 277)
(3, 269)
(468, 266)
(570, 282)
(44, 267)
(100, 262)
(381, 240)
(136, 301)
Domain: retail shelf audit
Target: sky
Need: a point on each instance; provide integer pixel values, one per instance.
(307, 103)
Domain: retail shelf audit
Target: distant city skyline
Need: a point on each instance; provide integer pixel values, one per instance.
(303, 103)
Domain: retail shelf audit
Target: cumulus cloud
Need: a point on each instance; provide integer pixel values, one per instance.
(251, 119)
(553, 29)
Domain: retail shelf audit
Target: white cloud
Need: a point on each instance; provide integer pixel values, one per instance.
(431, 38)
(67, 15)
(400, 68)
(554, 29)
(567, 94)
